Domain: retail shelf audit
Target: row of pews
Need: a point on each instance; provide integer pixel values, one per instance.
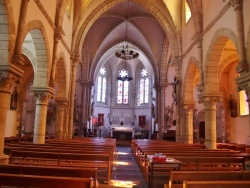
(199, 166)
(80, 162)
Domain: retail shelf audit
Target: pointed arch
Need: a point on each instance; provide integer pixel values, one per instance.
(190, 80)
(43, 60)
(61, 76)
(213, 58)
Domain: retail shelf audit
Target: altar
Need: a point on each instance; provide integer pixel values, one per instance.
(122, 133)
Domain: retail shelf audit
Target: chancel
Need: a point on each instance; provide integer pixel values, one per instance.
(86, 84)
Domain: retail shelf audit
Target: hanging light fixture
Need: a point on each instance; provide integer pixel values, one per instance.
(126, 54)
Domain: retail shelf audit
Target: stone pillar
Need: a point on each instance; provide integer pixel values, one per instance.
(57, 36)
(74, 62)
(21, 30)
(188, 123)
(160, 107)
(176, 63)
(8, 75)
(42, 96)
(242, 66)
(65, 123)
(86, 102)
(210, 102)
(61, 106)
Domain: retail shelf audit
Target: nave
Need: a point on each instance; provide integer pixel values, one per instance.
(142, 163)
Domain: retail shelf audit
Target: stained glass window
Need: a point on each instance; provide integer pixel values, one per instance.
(122, 88)
(143, 87)
(187, 12)
(244, 110)
(101, 85)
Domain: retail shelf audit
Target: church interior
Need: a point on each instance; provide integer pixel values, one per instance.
(147, 77)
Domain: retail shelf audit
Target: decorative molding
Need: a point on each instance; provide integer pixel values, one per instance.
(43, 95)
(210, 100)
(235, 3)
(6, 80)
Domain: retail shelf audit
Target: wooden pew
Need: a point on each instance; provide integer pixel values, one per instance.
(216, 184)
(7, 150)
(21, 180)
(102, 162)
(51, 171)
(177, 178)
(198, 164)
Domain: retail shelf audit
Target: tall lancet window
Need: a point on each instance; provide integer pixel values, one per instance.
(143, 87)
(122, 88)
(102, 85)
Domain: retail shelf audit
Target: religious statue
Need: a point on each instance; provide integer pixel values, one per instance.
(168, 116)
(92, 108)
(174, 94)
(77, 115)
(233, 107)
(110, 118)
(133, 119)
(49, 116)
(153, 110)
(13, 100)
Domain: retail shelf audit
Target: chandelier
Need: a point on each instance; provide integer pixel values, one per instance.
(126, 54)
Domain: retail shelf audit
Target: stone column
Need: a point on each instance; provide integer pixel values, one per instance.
(42, 96)
(242, 66)
(21, 31)
(188, 123)
(86, 102)
(61, 106)
(176, 63)
(57, 36)
(8, 75)
(65, 123)
(160, 107)
(74, 62)
(210, 102)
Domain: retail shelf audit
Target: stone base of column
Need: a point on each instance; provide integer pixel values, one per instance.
(4, 159)
(210, 144)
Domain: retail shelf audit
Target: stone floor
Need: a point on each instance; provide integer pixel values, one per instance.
(125, 173)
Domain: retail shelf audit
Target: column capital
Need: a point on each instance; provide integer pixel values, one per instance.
(58, 33)
(9, 74)
(87, 83)
(62, 103)
(43, 95)
(210, 99)
(235, 3)
(243, 82)
(160, 85)
(74, 58)
(188, 105)
(176, 62)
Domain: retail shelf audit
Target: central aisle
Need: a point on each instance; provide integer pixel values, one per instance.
(125, 173)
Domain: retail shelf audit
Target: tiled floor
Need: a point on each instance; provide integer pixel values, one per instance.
(126, 173)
